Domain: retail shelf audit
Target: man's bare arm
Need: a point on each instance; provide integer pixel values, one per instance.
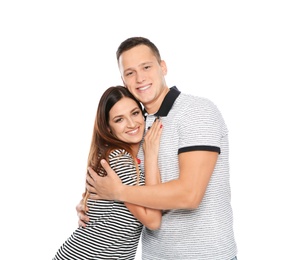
(186, 192)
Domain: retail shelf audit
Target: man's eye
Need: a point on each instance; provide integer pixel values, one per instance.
(128, 74)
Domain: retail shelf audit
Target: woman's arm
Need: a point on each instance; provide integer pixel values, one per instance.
(151, 218)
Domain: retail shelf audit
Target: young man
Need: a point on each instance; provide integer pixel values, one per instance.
(194, 194)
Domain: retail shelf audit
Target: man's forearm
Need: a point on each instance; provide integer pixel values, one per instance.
(169, 195)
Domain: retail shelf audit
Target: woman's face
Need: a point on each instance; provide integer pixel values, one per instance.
(126, 121)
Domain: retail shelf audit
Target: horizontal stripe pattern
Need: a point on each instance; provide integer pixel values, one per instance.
(192, 124)
(113, 232)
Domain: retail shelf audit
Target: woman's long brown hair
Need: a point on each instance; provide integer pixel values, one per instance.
(103, 142)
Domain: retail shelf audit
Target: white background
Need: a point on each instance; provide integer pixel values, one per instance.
(57, 57)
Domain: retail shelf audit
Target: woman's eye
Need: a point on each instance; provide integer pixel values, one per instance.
(118, 120)
(135, 113)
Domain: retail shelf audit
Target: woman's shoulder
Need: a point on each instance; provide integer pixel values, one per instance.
(120, 155)
(123, 164)
(118, 152)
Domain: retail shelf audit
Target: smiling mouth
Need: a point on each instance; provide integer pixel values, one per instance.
(133, 132)
(143, 88)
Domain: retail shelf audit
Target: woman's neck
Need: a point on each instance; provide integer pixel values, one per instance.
(135, 149)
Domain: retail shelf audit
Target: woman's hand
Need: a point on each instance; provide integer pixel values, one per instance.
(151, 150)
(152, 138)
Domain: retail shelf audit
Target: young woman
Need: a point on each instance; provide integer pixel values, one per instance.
(114, 228)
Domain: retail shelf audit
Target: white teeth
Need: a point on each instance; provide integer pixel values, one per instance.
(144, 88)
(133, 132)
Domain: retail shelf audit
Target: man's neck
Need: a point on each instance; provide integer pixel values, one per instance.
(155, 106)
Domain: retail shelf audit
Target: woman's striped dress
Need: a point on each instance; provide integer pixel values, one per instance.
(113, 232)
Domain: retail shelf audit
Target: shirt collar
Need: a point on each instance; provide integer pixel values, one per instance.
(168, 102)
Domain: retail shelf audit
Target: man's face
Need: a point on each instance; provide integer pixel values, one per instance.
(143, 75)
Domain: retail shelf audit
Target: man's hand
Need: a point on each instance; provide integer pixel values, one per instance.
(108, 187)
(81, 210)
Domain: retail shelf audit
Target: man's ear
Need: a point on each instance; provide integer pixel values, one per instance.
(164, 67)
(123, 82)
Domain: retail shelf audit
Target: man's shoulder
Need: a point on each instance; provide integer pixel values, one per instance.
(190, 100)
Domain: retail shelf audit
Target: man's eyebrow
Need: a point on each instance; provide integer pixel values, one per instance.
(145, 63)
(140, 65)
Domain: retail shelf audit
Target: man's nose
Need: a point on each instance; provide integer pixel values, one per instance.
(140, 77)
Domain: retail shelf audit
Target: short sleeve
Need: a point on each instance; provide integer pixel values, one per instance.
(201, 126)
(123, 164)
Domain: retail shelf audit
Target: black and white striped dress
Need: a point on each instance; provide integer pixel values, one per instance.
(112, 232)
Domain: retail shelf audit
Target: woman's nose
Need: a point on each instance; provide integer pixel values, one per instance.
(131, 122)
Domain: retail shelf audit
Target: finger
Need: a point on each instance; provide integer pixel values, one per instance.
(94, 196)
(83, 220)
(81, 207)
(155, 130)
(106, 166)
(152, 136)
(90, 181)
(90, 184)
(156, 123)
(159, 128)
(81, 224)
(91, 173)
(83, 217)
